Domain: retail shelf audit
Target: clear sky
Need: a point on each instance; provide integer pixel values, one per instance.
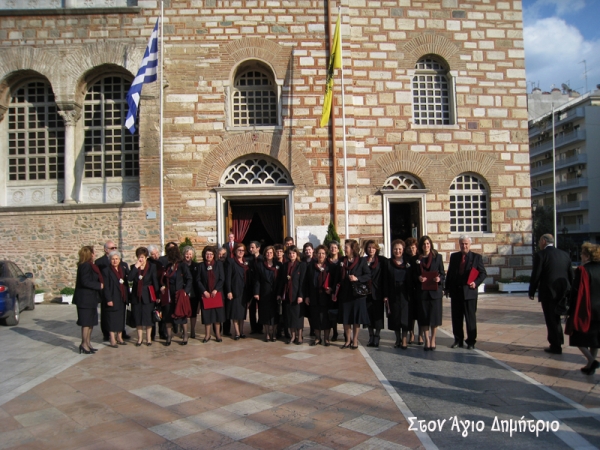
(559, 34)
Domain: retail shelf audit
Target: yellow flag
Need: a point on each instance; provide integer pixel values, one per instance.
(335, 62)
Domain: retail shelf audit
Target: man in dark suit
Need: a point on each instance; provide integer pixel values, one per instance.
(553, 274)
(463, 294)
(230, 245)
(102, 263)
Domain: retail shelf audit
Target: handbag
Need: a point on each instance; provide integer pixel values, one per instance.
(156, 315)
(360, 289)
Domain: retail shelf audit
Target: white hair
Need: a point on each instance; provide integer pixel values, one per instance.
(464, 237)
(152, 248)
(113, 253)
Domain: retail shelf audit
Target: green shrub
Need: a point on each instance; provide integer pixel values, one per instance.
(67, 291)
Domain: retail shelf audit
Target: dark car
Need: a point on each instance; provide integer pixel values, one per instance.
(17, 292)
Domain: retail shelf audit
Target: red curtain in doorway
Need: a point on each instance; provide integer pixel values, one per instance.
(242, 218)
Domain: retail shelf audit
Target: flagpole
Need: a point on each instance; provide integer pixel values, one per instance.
(344, 134)
(162, 200)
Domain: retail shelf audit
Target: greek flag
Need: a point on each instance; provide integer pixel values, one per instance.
(146, 74)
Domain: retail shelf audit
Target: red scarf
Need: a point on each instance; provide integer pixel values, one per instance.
(96, 269)
(288, 287)
(119, 273)
(583, 307)
(346, 267)
(374, 263)
(243, 265)
(140, 284)
(322, 275)
(167, 276)
(273, 268)
(210, 269)
(399, 265)
(426, 263)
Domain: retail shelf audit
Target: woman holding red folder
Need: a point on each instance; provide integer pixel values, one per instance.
(267, 273)
(210, 281)
(143, 294)
(318, 294)
(428, 277)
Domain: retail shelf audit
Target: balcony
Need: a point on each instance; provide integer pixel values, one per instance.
(578, 228)
(560, 164)
(561, 141)
(546, 189)
(561, 119)
(573, 206)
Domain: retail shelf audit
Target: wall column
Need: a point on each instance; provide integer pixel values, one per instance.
(70, 114)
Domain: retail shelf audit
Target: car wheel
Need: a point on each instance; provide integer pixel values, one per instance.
(13, 317)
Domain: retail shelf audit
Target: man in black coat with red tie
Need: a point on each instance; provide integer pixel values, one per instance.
(552, 276)
(465, 273)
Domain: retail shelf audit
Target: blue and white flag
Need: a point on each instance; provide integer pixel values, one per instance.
(146, 74)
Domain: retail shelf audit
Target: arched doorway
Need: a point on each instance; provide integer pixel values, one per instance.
(255, 201)
(404, 208)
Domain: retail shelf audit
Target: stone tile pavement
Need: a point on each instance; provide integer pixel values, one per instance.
(238, 394)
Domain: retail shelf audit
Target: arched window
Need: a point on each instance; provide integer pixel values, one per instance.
(431, 93)
(468, 205)
(256, 171)
(254, 99)
(400, 181)
(36, 134)
(110, 149)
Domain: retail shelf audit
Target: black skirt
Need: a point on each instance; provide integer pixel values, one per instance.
(590, 339)
(319, 317)
(401, 312)
(429, 310)
(142, 314)
(268, 310)
(87, 317)
(115, 316)
(167, 312)
(236, 308)
(375, 309)
(213, 315)
(354, 312)
(293, 315)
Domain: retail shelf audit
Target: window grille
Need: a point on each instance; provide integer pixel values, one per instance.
(401, 181)
(431, 93)
(110, 149)
(255, 171)
(468, 205)
(254, 99)
(36, 135)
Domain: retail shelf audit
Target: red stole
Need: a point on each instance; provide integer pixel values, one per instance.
(210, 269)
(289, 287)
(582, 316)
(96, 269)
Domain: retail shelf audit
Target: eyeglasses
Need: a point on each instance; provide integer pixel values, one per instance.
(112, 248)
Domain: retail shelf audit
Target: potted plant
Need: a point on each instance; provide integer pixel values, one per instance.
(517, 284)
(67, 294)
(39, 296)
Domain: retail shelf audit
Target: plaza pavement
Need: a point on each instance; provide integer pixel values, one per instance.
(250, 394)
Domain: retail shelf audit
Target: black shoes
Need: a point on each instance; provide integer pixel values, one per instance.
(592, 369)
(553, 350)
(371, 340)
(471, 347)
(84, 351)
(457, 344)
(376, 341)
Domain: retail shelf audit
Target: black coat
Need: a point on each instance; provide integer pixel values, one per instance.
(362, 271)
(111, 291)
(235, 283)
(150, 279)
(312, 290)
(202, 280)
(265, 281)
(552, 273)
(378, 278)
(593, 271)
(87, 287)
(297, 275)
(436, 265)
(456, 284)
(183, 278)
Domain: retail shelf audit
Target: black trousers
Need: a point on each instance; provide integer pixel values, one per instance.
(556, 337)
(252, 310)
(464, 308)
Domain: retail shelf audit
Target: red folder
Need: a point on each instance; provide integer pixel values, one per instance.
(326, 283)
(430, 284)
(213, 302)
(152, 293)
(473, 274)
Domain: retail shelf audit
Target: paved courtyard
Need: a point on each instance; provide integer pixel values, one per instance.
(249, 394)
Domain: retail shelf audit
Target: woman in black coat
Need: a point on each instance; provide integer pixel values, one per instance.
(291, 287)
(176, 277)
(410, 256)
(375, 307)
(116, 297)
(189, 254)
(352, 310)
(88, 287)
(398, 294)
(210, 282)
(429, 300)
(144, 294)
(239, 288)
(318, 294)
(588, 341)
(265, 292)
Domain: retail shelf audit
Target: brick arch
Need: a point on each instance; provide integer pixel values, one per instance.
(20, 64)
(477, 163)
(432, 44)
(276, 56)
(407, 161)
(90, 61)
(223, 154)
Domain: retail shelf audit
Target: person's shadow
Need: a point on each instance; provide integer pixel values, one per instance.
(53, 333)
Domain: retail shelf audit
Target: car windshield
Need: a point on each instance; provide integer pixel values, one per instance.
(17, 273)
